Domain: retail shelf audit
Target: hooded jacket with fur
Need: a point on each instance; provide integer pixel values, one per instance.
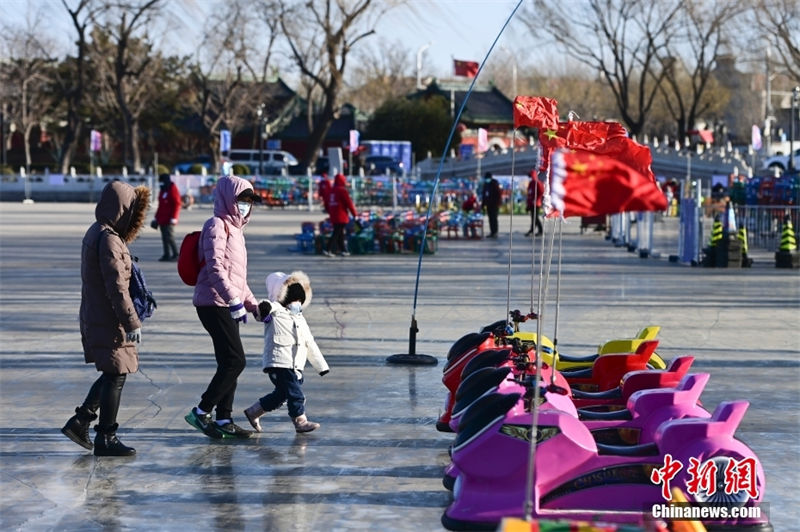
(222, 246)
(107, 311)
(288, 342)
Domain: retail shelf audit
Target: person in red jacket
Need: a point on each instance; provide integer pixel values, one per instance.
(534, 202)
(340, 207)
(169, 208)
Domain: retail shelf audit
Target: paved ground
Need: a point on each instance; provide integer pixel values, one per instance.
(376, 462)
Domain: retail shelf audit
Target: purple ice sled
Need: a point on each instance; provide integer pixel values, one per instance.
(646, 411)
(575, 476)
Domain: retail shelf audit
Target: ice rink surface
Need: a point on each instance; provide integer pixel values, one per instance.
(376, 463)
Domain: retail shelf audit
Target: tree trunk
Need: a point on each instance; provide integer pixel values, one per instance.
(317, 136)
(134, 139)
(26, 141)
(683, 131)
(68, 146)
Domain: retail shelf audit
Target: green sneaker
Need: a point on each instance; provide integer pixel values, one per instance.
(203, 423)
(232, 430)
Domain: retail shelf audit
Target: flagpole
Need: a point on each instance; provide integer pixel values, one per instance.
(558, 303)
(510, 231)
(531, 470)
(411, 357)
(536, 216)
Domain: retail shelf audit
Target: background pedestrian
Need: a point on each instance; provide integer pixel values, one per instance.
(340, 208)
(167, 213)
(490, 201)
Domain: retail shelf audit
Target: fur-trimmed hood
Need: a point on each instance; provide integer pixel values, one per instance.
(123, 208)
(278, 284)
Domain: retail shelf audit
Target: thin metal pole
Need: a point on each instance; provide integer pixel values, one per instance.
(558, 302)
(531, 477)
(510, 229)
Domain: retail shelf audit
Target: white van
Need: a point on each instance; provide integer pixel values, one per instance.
(274, 161)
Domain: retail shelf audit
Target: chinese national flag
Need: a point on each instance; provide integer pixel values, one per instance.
(606, 138)
(536, 111)
(465, 68)
(590, 184)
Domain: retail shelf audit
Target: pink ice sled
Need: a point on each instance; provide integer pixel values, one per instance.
(575, 476)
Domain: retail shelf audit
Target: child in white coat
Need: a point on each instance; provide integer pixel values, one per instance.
(288, 344)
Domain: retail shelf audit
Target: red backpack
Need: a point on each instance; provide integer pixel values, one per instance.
(189, 263)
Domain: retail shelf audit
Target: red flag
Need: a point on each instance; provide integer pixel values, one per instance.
(588, 184)
(465, 68)
(536, 111)
(607, 138)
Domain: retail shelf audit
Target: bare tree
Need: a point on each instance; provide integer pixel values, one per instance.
(623, 40)
(70, 82)
(332, 27)
(229, 71)
(779, 21)
(25, 75)
(127, 66)
(379, 74)
(689, 62)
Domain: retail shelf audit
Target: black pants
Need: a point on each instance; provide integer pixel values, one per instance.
(105, 395)
(337, 239)
(229, 353)
(492, 212)
(536, 221)
(287, 390)
(168, 240)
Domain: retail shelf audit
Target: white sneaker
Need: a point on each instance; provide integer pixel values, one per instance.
(345, 253)
(327, 253)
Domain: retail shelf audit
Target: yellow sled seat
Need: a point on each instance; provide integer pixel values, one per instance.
(630, 345)
(529, 340)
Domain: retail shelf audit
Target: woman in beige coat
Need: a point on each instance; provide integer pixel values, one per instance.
(110, 327)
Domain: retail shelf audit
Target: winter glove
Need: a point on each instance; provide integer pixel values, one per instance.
(154, 224)
(238, 313)
(134, 336)
(173, 221)
(323, 373)
(263, 310)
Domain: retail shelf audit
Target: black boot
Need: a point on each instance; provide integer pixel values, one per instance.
(106, 443)
(77, 427)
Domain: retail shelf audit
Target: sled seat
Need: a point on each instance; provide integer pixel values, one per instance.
(613, 393)
(491, 358)
(613, 415)
(645, 449)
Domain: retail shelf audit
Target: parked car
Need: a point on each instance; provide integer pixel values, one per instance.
(272, 161)
(781, 162)
(185, 167)
(378, 164)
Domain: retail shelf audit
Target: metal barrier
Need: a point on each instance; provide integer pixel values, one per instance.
(764, 223)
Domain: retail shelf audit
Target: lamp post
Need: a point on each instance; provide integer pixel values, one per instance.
(419, 63)
(792, 119)
(513, 70)
(260, 112)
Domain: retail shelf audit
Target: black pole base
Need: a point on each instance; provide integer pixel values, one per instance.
(412, 360)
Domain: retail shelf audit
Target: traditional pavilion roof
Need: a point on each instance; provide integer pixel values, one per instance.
(486, 104)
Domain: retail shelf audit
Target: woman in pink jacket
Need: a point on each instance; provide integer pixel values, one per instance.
(339, 207)
(223, 299)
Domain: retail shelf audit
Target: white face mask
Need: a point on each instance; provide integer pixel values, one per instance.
(295, 307)
(244, 208)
